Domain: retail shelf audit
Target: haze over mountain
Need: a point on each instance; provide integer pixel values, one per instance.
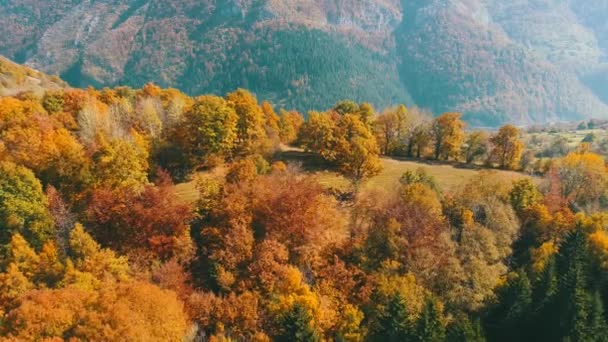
(519, 61)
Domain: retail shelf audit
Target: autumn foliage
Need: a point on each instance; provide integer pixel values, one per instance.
(99, 239)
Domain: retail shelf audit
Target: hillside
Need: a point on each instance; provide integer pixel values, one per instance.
(522, 61)
(15, 78)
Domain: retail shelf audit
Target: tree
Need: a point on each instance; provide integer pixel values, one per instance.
(463, 329)
(524, 194)
(251, 133)
(318, 135)
(448, 135)
(573, 301)
(475, 146)
(582, 179)
(289, 126)
(430, 326)
(419, 176)
(349, 327)
(152, 220)
(23, 206)
(305, 227)
(357, 150)
(120, 163)
(209, 130)
(86, 314)
(297, 326)
(393, 323)
(346, 107)
(391, 127)
(345, 141)
(271, 125)
(507, 149)
(420, 140)
(509, 319)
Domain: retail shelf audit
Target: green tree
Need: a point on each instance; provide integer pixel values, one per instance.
(419, 176)
(524, 194)
(509, 319)
(475, 146)
(574, 302)
(463, 329)
(297, 326)
(429, 326)
(23, 206)
(393, 323)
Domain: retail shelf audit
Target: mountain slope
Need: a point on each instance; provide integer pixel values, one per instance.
(16, 78)
(496, 61)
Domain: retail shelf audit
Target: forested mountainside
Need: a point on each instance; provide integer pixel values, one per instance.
(258, 241)
(519, 61)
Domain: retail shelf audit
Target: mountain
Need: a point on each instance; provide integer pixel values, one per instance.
(520, 61)
(15, 78)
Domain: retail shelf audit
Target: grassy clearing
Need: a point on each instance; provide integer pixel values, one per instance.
(449, 177)
(188, 192)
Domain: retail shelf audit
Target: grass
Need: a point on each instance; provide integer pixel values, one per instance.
(574, 138)
(449, 177)
(188, 192)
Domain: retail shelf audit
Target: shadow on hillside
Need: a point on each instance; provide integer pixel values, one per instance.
(433, 162)
(306, 161)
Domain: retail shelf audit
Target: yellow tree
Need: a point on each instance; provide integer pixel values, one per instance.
(448, 135)
(507, 148)
(582, 178)
(251, 133)
(209, 129)
(318, 135)
(118, 162)
(390, 128)
(357, 149)
(289, 126)
(271, 124)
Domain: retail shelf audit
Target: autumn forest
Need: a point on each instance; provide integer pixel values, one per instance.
(97, 243)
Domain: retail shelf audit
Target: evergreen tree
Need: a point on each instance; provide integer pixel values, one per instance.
(296, 326)
(393, 323)
(598, 329)
(508, 320)
(543, 304)
(429, 327)
(573, 299)
(463, 329)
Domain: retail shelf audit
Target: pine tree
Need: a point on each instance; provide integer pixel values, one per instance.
(509, 319)
(296, 326)
(598, 330)
(573, 298)
(463, 329)
(429, 327)
(393, 324)
(543, 303)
